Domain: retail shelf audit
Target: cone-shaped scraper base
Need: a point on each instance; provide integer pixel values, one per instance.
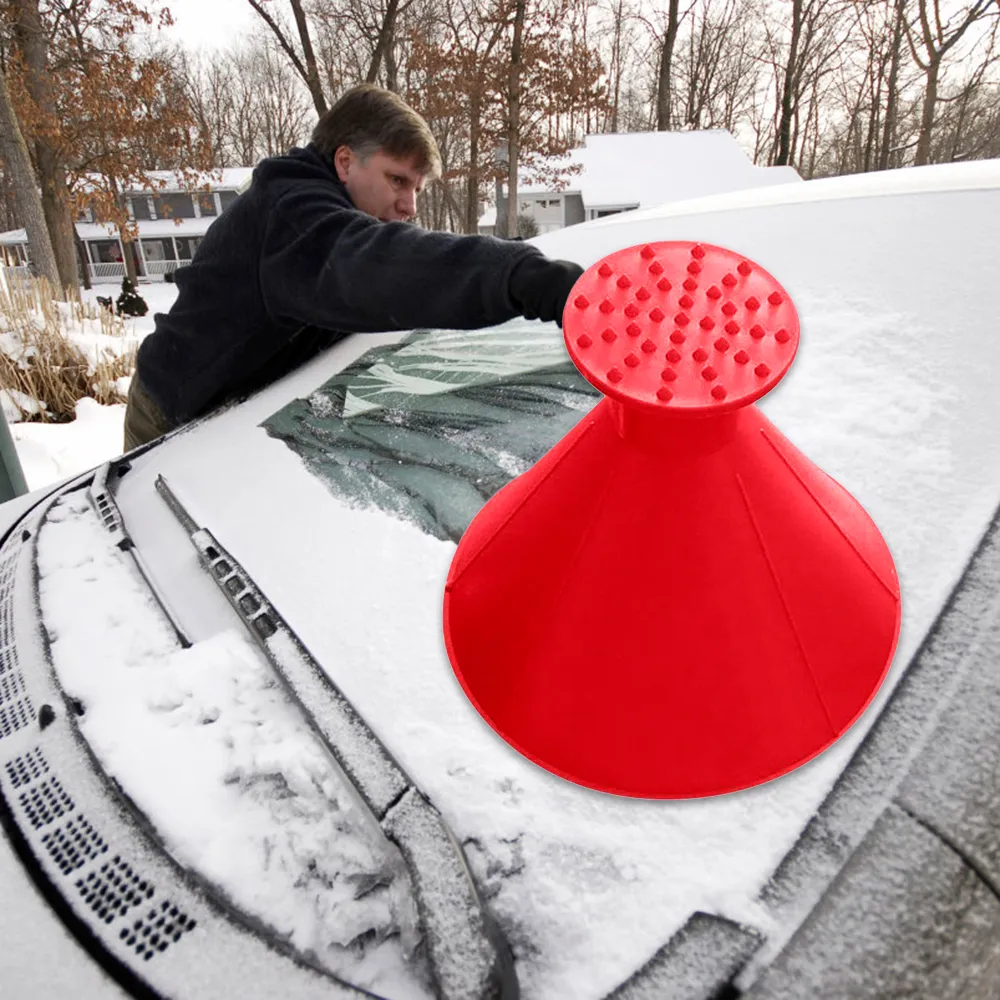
(674, 601)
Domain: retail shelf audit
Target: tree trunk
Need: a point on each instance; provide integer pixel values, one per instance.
(927, 115)
(391, 66)
(385, 33)
(22, 179)
(892, 89)
(472, 185)
(788, 96)
(666, 62)
(312, 70)
(81, 260)
(30, 36)
(616, 65)
(514, 118)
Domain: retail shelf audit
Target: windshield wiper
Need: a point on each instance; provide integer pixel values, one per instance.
(468, 955)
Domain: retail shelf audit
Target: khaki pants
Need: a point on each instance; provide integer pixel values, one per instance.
(143, 419)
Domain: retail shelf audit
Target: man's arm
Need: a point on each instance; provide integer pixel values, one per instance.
(328, 265)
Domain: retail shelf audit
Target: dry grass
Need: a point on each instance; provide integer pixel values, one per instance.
(39, 359)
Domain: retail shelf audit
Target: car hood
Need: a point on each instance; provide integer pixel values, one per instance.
(891, 393)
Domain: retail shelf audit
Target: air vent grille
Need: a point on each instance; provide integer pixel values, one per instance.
(114, 889)
(155, 932)
(8, 566)
(74, 844)
(11, 686)
(27, 767)
(15, 716)
(45, 803)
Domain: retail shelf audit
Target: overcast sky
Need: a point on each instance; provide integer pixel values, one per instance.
(207, 23)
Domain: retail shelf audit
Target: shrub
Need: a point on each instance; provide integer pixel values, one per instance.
(526, 226)
(130, 302)
(38, 356)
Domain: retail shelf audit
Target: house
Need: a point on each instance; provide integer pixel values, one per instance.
(171, 222)
(622, 171)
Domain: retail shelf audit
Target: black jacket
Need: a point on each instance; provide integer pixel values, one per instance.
(291, 267)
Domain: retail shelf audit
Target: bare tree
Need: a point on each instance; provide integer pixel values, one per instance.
(514, 115)
(382, 43)
(892, 86)
(305, 62)
(816, 38)
(931, 39)
(717, 73)
(666, 62)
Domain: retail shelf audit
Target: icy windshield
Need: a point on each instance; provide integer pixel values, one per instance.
(430, 428)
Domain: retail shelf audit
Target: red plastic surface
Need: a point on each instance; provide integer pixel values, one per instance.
(674, 601)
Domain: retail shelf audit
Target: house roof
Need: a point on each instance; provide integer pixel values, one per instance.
(225, 178)
(148, 229)
(651, 168)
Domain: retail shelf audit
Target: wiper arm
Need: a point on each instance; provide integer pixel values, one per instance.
(469, 958)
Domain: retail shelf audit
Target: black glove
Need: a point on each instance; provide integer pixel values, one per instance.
(540, 286)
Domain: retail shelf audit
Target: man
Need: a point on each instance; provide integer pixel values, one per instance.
(319, 246)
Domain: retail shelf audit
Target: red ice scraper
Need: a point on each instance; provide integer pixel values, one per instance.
(674, 601)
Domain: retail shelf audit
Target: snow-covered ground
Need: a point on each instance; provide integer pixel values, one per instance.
(51, 452)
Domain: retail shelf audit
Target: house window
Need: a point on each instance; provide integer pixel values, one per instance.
(186, 246)
(173, 206)
(206, 202)
(156, 250)
(105, 251)
(554, 202)
(227, 198)
(140, 207)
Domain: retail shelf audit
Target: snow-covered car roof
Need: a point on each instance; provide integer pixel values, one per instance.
(340, 492)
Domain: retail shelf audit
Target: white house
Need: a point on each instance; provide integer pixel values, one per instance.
(164, 244)
(623, 171)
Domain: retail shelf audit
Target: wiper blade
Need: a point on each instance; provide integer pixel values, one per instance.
(469, 958)
(101, 499)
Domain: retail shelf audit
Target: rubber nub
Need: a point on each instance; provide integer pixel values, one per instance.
(682, 327)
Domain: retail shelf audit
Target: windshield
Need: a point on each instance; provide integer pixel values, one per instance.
(430, 428)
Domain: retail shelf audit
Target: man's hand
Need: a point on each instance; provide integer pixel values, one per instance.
(541, 286)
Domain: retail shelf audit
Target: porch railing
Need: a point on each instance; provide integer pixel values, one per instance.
(164, 266)
(114, 269)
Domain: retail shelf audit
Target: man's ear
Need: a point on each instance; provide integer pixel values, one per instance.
(342, 160)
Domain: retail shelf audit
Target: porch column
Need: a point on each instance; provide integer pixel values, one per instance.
(142, 258)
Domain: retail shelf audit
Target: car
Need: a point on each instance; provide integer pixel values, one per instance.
(234, 759)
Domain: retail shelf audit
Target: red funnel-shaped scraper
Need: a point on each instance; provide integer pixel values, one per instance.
(674, 601)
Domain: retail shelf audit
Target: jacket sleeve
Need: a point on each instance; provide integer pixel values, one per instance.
(329, 265)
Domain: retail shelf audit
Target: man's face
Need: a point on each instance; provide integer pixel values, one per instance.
(382, 185)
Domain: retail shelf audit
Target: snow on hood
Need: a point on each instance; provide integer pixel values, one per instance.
(892, 393)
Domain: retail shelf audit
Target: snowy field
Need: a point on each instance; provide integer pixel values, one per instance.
(51, 452)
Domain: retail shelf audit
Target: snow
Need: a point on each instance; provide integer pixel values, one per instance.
(892, 395)
(238, 787)
(51, 452)
(18, 405)
(651, 168)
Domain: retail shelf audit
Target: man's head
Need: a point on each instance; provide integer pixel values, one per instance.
(382, 150)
